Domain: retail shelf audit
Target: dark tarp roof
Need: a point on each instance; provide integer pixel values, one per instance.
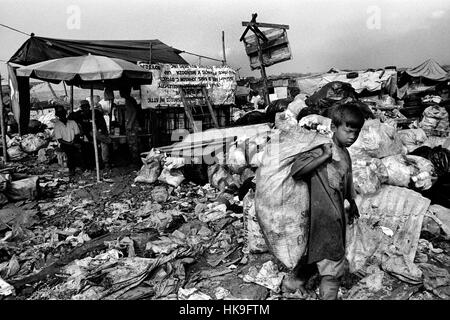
(37, 49)
(429, 69)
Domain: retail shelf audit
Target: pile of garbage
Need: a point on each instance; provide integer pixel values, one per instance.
(152, 233)
(18, 147)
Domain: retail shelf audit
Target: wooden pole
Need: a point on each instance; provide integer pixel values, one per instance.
(2, 123)
(224, 62)
(71, 98)
(263, 72)
(53, 91)
(94, 135)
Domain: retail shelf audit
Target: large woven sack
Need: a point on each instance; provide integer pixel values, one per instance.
(282, 203)
(255, 239)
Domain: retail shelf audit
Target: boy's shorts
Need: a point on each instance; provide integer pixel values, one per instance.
(331, 268)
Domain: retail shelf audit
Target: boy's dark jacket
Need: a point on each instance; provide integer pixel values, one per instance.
(329, 185)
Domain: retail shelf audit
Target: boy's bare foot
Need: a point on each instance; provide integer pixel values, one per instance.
(291, 284)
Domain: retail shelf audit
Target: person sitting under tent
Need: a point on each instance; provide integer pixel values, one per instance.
(67, 133)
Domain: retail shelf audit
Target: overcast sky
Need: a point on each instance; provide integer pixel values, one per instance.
(346, 34)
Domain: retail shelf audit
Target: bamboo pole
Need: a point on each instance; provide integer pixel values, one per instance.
(224, 62)
(71, 98)
(2, 123)
(94, 135)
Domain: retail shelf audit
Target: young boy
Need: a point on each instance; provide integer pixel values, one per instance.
(330, 183)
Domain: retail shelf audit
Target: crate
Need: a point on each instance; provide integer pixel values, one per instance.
(165, 120)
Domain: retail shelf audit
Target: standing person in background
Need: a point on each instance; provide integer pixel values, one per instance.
(132, 112)
(67, 133)
(84, 119)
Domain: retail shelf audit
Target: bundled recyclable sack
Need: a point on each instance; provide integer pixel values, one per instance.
(236, 159)
(23, 189)
(434, 117)
(282, 203)
(412, 138)
(33, 142)
(376, 140)
(173, 177)
(368, 175)
(255, 238)
(151, 169)
(402, 168)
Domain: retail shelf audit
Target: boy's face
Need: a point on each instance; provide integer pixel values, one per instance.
(345, 135)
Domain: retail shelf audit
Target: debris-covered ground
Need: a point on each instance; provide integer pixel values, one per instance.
(118, 239)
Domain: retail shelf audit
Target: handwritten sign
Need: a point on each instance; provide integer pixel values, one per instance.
(220, 83)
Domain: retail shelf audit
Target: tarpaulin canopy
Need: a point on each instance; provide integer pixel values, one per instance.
(429, 69)
(37, 49)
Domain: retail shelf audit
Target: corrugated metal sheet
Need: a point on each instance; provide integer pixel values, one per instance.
(398, 209)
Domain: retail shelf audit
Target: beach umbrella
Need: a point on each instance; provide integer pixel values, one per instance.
(89, 71)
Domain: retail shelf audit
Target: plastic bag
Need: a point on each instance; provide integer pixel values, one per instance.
(412, 138)
(236, 159)
(376, 140)
(15, 153)
(282, 203)
(433, 141)
(402, 168)
(23, 189)
(285, 122)
(220, 177)
(297, 105)
(255, 238)
(151, 169)
(316, 122)
(149, 173)
(434, 117)
(254, 146)
(172, 177)
(33, 142)
(5, 181)
(368, 175)
(439, 157)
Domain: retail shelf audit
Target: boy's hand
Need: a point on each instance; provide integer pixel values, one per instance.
(326, 148)
(353, 212)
